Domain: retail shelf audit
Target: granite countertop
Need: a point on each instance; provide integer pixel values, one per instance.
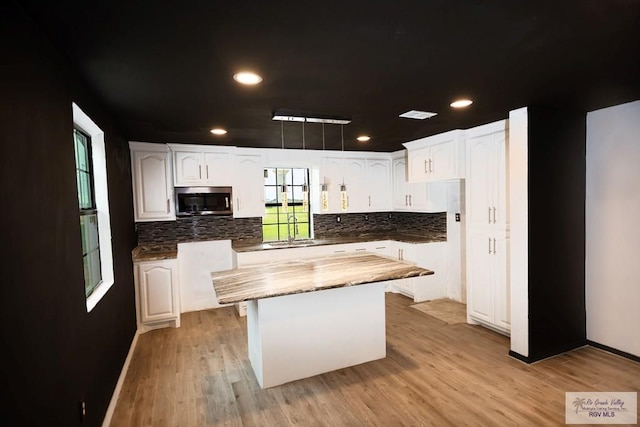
(155, 252)
(309, 275)
(160, 251)
(336, 240)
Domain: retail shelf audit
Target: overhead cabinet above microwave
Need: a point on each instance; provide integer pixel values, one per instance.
(201, 166)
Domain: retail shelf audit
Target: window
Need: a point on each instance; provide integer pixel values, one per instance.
(88, 212)
(93, 203)
(280, 223)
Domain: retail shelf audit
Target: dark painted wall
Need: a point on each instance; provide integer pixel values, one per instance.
(54, 353)
(557, 186)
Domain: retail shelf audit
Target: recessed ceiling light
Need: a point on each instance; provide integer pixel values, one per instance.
(247, 78)
(363, 138)
(418, 115)
(218, 131)
(461, 103)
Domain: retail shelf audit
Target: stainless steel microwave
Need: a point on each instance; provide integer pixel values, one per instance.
(192, 201)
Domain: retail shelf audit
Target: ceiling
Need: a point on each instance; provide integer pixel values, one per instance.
(164, 68)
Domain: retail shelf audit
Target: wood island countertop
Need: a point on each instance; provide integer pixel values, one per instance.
(309, 275)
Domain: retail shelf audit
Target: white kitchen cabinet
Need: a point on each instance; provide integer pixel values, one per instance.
(486, 177)
(432, 256)
(416, 196)
(195, 166)
(368, 182)
(152, 182)
(488, 300)
(157, 300)
(248, 187)
(332, 174)
(377, 185)
(436, 158)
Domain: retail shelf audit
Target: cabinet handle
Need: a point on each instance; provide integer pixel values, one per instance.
(406, 198)
(489, 245)
(494, 216)
(494, 246)
(430, 163)
(200, 171)
(207, 171)
(426, 171)
(226, 202)
(168, 206)
(410, 200)
(489, 209)
(369, 201)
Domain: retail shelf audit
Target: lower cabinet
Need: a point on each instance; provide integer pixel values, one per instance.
(488, 299)
(157, 302)
(432, 256)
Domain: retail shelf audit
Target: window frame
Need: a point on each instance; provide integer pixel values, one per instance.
(292, 206)
(101, 195)
(87, 210)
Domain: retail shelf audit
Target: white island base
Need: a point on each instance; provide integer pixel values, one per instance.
(301, 335)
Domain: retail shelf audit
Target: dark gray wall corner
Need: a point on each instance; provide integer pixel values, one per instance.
(55, 354)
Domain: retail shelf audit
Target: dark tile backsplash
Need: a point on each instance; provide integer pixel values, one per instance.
(200, 228)
(325, 226)
(250, 229)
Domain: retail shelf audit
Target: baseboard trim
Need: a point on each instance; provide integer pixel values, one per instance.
(116, 392)
(615, 351)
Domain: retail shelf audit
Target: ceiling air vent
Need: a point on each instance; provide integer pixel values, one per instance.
(419, 115)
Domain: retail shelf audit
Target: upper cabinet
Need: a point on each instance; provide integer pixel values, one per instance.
(436, 158)
(248, 185)
(198, 165)
(152, 182)
(367, 182)
(415, 196)
(486, 176)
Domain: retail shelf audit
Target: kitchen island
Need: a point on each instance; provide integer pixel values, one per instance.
(310, 316)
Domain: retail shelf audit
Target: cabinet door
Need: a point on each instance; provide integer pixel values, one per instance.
(419, 164)
(332, 174)
(480, 294)
(502, 296)
(499, 191)
(217, 169)
(442, 162)
(400, 185)
(378, 185)
(357, 190)
(152, 188)
(188, 168)
(248, 190)
(158, 294)
(480, 178)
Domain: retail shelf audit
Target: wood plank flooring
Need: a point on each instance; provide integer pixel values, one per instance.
(435, 374)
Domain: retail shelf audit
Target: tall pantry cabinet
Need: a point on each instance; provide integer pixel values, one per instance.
(488, 299)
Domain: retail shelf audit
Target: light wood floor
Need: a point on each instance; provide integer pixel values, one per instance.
(434, 374)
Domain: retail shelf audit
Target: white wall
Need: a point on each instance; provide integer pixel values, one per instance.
(613, 228)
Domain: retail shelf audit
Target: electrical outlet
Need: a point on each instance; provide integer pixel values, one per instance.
(457, 217)
(338, 219)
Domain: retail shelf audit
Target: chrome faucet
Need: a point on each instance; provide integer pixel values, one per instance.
(291, 238)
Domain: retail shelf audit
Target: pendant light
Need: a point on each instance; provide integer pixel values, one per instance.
(324, 188)
(305, 186)
(283, 187)
(344, 199)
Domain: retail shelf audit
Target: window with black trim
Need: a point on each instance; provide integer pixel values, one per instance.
(293, 220)
(88, 211)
